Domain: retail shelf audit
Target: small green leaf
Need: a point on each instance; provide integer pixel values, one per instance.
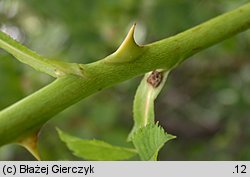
(95, 149)
(149, 140)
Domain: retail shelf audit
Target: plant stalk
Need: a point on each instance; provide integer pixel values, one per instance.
(28, 115)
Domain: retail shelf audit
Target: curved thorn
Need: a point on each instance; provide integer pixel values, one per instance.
(128, 51)
(30, 144)
(129, 40)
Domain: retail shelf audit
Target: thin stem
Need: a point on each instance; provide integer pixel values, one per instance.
(146, 93)
(54, 68)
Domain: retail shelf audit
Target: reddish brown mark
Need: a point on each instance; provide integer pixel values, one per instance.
(155, 78)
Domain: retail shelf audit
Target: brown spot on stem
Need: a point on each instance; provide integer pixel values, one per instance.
(155, 78)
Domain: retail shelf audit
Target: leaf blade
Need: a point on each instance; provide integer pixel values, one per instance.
(149, 140)
(95, 149)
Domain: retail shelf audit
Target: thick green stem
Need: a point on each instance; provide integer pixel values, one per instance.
(28, 115)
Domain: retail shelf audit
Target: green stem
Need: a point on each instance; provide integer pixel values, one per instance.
(28, 115)
(143, 107)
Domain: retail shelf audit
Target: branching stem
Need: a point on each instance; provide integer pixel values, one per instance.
(28, 115)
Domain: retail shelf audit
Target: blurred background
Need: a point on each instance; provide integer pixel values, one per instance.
(206, 102)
